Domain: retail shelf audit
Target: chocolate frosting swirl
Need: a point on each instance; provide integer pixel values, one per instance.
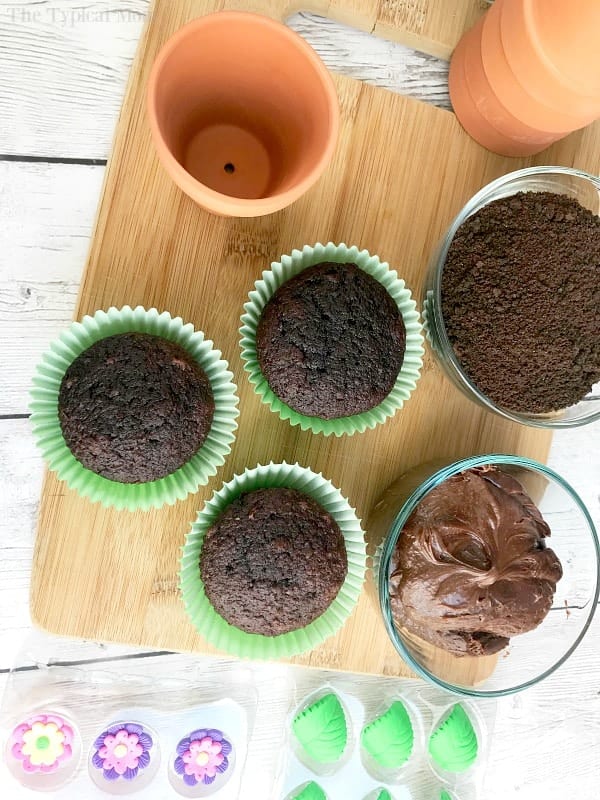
(471, 567)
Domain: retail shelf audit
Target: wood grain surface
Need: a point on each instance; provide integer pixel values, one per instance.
(401, 171)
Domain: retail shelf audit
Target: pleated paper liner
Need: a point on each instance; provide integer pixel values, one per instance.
(218, 631)
(287, 268)
(46, 425)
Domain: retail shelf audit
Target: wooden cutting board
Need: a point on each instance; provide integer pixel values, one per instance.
(401, 172)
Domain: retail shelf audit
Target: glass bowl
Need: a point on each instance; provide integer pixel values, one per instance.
(561, 180)
(529, 657)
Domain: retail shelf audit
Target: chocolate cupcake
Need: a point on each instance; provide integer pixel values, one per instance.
(133, 408)
(273, 561)
(332, 340)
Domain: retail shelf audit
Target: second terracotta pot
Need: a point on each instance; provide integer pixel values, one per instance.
(475, 111)
(513, 86)
(503, 118)
(500, 104)
(553, 46)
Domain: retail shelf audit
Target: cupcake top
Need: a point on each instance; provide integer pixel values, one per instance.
(331, 341)
(273, 561)
(135, 407)
(471, 567)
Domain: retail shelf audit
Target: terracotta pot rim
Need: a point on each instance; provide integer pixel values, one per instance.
(566, 123)
(210, 198)
(472, 51)
(475, 122)
(547, 64)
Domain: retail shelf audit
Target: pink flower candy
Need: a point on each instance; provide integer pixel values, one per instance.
(121, 751)
(42, 743)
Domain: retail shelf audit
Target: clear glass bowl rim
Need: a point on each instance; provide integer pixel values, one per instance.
(396, 529)
(478, 200)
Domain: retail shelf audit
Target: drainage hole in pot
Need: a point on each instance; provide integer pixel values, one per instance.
(229, 168)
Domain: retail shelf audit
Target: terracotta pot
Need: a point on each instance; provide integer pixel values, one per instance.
(511, 87)
(474, 121)
(243, 113)
(554, 46)
(488, 103)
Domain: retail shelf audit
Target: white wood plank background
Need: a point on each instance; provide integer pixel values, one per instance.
(67, 62)
(63, 68)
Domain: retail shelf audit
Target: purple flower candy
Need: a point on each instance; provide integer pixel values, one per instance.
(202, 755)
(122, 751)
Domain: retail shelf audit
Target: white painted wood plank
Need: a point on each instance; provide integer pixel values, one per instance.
(21, 470)
(373, 60)
(546, 742)
(61, 62)
(64, 61)
(47, 214)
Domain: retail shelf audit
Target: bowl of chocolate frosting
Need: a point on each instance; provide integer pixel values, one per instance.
(486, 571)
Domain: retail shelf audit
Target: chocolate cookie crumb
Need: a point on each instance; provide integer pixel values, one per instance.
(521, 301)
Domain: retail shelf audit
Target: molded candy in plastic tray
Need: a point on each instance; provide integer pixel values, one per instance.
(74, 733)
(386, 739)
(93, 731)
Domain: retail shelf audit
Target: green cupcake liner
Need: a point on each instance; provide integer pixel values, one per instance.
(218, 631)
(287, 268)
(46, 425)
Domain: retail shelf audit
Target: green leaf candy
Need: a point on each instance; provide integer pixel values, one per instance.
(453, 744)
(389, 739)
(312, 791)
(321, 729)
